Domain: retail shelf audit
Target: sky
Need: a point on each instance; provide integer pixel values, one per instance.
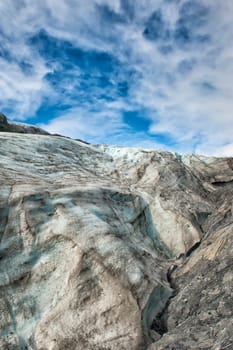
(156, 74)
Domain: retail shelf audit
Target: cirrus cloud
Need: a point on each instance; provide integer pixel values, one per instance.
(154, 73)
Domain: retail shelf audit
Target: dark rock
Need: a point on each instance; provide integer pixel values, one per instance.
(3, 119)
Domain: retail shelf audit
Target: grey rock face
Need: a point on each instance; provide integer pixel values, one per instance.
(112, 248)
(6, 126)
(3, 119)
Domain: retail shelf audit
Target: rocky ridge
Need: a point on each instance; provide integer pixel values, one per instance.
(109, 248)
(7, 126)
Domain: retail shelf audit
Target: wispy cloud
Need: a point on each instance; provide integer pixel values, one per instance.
(142, 72)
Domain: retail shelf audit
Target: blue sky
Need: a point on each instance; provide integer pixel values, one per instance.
(144, 73)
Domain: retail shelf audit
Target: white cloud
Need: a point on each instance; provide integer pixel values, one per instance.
(21, 91)
(78, 124)
(180, 104)
(104, 128)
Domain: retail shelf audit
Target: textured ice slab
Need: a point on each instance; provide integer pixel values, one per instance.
(88, 235)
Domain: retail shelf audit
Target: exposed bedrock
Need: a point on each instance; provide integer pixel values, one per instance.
(106, 248)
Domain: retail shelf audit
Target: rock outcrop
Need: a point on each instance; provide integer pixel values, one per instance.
(108, 248)
(7, 126)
